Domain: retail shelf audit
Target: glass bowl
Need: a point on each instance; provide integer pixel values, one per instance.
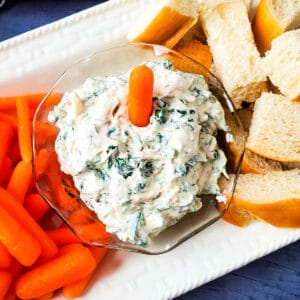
(58, 189)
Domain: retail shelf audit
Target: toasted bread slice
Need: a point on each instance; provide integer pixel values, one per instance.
(275, 128)
(273, 197)
(164, 22)
(236, 58)
(272, 18)
(282, 64)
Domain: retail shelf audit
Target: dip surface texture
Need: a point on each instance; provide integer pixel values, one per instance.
(140, 180)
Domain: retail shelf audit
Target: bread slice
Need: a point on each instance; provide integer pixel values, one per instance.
(275, 128)
(272, 18)
(236, 58)
(273, 197)
(282, 64)
(251, 163)
(164, 22)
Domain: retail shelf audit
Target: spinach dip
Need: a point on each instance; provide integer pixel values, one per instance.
(141, 180)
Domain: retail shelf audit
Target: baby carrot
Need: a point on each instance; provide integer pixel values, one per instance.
(5, 257)
(63, 236)
(81, 216)
(20, 180)
(44, 132)
(24, 128)
(36, 206)
(75, 289)
(9, 103)
(60, 271)
(41, 162)
(17, 211)
(140, 95)
(5, 280)
(93, 232)
(6, 136)
(19, 242)
(5, 171)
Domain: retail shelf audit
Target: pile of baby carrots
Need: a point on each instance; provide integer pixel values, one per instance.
(35, 261)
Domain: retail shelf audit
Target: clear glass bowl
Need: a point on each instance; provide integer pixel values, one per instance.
(58, 189)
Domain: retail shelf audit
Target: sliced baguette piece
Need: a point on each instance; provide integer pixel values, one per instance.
(282, 64)
(164, 22)
(275, 128)
(273, 197)
(251, 163)
(236, 59)
(272, 18)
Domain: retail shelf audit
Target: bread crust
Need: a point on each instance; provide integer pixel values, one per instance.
(236, 58)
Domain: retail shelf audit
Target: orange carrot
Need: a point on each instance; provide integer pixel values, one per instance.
(63, 236)
(19, 242)
(12, 120)
(140, 95)
(5, 171)
(5, 257)
(81, 216)
(93, 232)
(75, 289)
(58, 272)
(24, 128)
(44, 132)
(17, 211)
(5, 280)
(6, 136)
(61, 185)
(20, 180)
(36, 206)
(41, 162)
(9, 103)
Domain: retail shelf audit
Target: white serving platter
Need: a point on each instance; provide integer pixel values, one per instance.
(30, 63)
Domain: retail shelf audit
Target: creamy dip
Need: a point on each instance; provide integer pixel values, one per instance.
(140, 180)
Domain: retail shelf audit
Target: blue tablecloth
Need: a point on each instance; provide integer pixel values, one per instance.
(276, 276)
